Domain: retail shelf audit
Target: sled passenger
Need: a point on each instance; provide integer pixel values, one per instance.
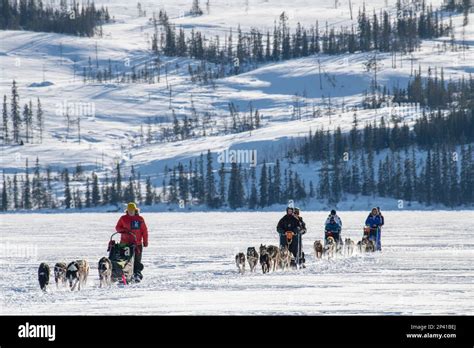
(333, 228)
(374, 221)
(133, 223)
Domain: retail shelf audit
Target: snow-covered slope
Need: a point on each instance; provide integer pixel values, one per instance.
(49, 66)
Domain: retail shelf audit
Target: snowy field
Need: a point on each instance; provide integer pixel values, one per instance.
(426, 266)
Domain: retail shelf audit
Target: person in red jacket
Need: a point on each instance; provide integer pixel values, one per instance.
(134, 231)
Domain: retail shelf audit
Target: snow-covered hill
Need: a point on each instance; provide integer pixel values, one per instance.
(49, 66)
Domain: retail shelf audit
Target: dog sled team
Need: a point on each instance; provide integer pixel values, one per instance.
(291, 229)
(123, 265)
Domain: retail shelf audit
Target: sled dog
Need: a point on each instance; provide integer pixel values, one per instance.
(105, 271)
(285, 258)
(43, 275)
(330, 247)
(60, 269)
(252, 258)
(318, 249)
(349, 246)
(366, 245)
(77, 273)
(265, 263)
(274, 255)
(240, 262)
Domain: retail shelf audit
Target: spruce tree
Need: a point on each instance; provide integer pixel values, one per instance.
(324, 181)
(253, 198)
(201, 194)
(26, 122)
(211, 200)
(277, 182)
(236, 190)
(196, 9)
(263, 201)
(222, 187)
(118, 182)
(130, 191)
(88, 194)
(5, 133)
(26, 189)
(95, 190)
(15, 113)
(312, 194)
(407, 182)
(183, 185)
(16, 200)
(4, 206)
(38, 193)
(67, 190)
(336, 189)
(39, 119)
(355, 176)
(148, 192)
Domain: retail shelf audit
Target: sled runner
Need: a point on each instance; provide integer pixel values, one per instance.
(122, 257)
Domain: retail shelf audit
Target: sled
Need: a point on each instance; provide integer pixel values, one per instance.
(371, 233)
(290, 238)
(122, 256)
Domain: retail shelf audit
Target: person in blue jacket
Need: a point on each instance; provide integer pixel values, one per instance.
(374, 221)
(334, 228)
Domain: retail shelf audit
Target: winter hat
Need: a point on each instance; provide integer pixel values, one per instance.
(333, 212)
(132, 206)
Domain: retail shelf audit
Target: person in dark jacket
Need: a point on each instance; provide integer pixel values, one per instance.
(374, 221)
(336, 217)
(289, 222)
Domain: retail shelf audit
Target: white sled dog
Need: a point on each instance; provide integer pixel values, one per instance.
(60, 269)
(240, 262)
(105, 271)
(77, 273)
(330, 247)
(318, 249)
(349, 246)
